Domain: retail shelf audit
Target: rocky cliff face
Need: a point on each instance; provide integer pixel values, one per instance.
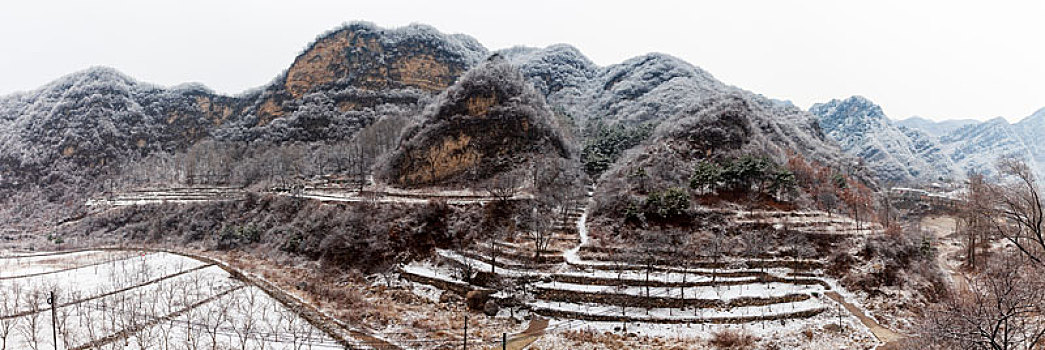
(358, 74)
(365, 57)
(977, 148)
(350, 77)
(896, 154)
(81, 123)
(490, 122)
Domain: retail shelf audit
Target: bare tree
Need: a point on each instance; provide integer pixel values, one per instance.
(10, 303)
(1021, 203)
(541, 231)
(974, 217)
(1003, 309)
(33, 321)
(246, 322)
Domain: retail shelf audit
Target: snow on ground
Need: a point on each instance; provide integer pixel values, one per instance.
(119, 271)
(693, 275)
(17, 266)
(725, 293)
(582, 231)
(684, 314)
(163, 300)
(246, 318)
(818, 332)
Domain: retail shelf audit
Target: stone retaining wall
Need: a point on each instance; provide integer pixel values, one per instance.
(642, 301)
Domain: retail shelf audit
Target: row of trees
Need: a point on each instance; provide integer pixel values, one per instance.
(759, 176)
(211, 162)
(196, 312)
(830, 189)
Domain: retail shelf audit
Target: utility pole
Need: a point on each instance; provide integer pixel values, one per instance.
(466, 332)
(54, 318)
(839, 306)
(504, 341)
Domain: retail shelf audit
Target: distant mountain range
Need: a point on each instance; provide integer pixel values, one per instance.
(916, 150)
(935, 128)
(92, 123)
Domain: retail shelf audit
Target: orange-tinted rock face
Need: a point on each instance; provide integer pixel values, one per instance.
(450, 157)
(370, 64)
(217, 113)
(269, 110)
(480, 105)
(317, 66)
(425, 72)
(367, 59)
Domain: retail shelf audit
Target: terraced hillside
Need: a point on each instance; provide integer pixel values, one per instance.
(581, 284)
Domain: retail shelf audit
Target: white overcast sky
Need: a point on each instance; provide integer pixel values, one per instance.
(938, 59)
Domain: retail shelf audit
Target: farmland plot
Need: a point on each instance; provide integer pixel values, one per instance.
(138, 300)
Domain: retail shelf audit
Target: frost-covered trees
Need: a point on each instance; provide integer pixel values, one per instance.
(1022, 204)
(1002, 308)
(605, 144)
(490, 122)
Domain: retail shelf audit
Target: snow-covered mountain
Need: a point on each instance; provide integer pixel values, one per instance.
(898, 153)
(935, 128)
(652, 89)
(977, 147)
(354, 76)
(895, 153)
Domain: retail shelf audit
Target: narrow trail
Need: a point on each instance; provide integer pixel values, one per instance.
(571, 256)
(883, 334)
(533, 332)
(888, 337)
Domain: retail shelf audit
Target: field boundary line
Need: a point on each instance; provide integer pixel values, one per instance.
(127, 332)
(106, 294)
(37, 274)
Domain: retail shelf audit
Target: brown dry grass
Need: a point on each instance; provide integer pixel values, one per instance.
(733, 339)
(348, 297)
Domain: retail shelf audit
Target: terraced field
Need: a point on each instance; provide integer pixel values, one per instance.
(149, 300)
(580, 286)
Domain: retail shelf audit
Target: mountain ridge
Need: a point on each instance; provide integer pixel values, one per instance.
(894, 147)
(353, 76)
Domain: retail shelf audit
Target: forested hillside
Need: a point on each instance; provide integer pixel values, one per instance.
(357, 95)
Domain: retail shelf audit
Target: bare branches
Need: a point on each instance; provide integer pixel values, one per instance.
(1020, 202)
(1003, 309)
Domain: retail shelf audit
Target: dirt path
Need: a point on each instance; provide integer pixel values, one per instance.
(520, 341)
(943, 229)
(883, 334)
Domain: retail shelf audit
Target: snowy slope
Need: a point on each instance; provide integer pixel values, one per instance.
(935, 128)
(977, 148)
(654, 88)
(901, 154)
(895, 153)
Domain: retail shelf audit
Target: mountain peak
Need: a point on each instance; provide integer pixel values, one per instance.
(1038, 116)
(484, 125)
(856, 110)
